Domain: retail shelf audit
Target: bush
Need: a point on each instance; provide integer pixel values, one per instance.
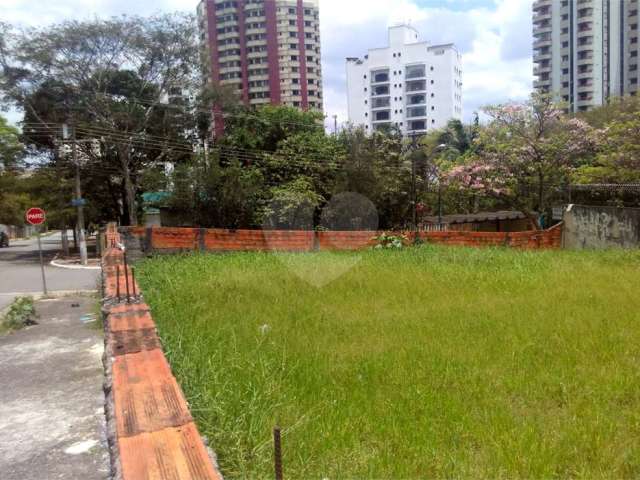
(21, 314)
(391, 241)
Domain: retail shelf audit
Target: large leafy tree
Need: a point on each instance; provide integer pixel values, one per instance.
(126, 82)
(527, 151)
(379, 167)
(13, 200)
(11, 148)
(618, 160)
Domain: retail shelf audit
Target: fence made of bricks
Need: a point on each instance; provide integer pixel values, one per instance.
(168, 240)
(151, 432)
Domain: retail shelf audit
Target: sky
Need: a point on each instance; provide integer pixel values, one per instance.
(494, 37)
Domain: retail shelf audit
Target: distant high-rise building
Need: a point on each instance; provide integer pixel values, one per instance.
(410, 84)
(268, 49)
(586, 51)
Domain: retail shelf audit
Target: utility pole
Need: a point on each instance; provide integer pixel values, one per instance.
(414, 187)
(78, 200)
(335, 125)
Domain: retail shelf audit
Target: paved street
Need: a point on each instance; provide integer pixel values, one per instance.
(52, 423)
(20, 270)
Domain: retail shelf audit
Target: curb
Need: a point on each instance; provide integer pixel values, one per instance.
(54, 263)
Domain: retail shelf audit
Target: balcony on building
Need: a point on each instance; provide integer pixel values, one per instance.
(417, 112)
(415, 72)
(542, 40)
(381, 116)
(585, 26)
(378, 103)
(417, 99)
(381, 90)
(379, 77)
(541, 84)
(416, 126)
(540, 54)
(585, 13)
(416, 86)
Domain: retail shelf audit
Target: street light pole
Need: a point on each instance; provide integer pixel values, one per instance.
(81, 237)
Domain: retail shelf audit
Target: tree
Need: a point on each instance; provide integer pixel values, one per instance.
(618, 160)
(376, 166)
(119, 80)
(456, 137)
(264, 128)
(526, 152)
(11, 149)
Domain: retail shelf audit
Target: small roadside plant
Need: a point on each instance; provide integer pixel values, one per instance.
(22, 313)
(386, 240)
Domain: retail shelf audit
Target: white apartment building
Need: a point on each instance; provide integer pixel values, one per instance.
(586, 51)
(410, 84)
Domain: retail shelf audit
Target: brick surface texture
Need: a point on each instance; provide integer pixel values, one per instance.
(219, 240)
(155, 436)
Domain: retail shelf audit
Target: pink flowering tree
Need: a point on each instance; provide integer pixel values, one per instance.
(525, 152)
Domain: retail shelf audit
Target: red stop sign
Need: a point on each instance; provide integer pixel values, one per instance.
(35, 216)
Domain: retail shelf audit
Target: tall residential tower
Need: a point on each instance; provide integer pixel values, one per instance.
(410, 84)
(586, 51)
(268, 49)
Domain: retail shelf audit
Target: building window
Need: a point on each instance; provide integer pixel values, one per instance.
(417, 99)
(380, 76)
(380, 102)
(416, 85)
(381, 90)
(383, 115)
(417, 125)
(415, 71)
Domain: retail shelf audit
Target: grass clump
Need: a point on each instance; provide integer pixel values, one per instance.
(426, 362)
(21, 313)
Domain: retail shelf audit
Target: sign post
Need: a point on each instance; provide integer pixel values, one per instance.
(36, 216)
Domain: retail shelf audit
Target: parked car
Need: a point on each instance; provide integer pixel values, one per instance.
(4, 240)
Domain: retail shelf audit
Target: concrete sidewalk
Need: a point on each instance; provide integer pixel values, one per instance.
(52, 423)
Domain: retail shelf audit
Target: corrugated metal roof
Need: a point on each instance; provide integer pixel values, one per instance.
(477, 217)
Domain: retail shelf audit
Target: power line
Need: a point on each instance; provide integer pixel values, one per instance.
(156, 141)
(151, 102)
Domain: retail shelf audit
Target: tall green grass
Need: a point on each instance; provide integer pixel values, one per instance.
(422, 363)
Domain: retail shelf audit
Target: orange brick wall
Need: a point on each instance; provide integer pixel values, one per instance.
(257, 240)
(220, 240)
(152, 434)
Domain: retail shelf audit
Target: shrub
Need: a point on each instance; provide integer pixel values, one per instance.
(391, 241)
(21, 314)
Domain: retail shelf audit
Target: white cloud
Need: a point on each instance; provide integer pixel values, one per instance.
(494, 37)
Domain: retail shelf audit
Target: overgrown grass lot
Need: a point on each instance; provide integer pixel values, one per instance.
(420, 363)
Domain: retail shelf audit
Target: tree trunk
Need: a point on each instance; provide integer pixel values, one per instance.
(129, 188)
(541, 193)
(130, 198)
(65, 240)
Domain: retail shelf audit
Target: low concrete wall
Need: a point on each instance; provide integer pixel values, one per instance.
(601, 227)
